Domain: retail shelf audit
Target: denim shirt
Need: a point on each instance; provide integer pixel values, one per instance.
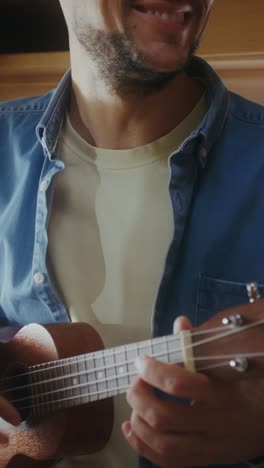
(217, 196)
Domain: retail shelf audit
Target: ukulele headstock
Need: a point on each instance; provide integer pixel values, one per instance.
(230, 345)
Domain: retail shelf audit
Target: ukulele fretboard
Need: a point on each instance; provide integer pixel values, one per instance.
(94, 376)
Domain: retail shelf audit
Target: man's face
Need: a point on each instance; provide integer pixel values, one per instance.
(157, 35)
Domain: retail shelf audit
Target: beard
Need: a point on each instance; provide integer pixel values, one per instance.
(122, 67)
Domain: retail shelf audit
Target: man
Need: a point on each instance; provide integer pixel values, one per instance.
(138, 116)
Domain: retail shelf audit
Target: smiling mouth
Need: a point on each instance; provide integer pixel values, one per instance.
(174, 17)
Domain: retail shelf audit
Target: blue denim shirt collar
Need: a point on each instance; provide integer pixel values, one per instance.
(49, 128)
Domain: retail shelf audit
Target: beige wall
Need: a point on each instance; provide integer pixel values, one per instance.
(233, 43)
(236, 26)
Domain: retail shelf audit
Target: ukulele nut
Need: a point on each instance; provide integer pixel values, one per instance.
(239, 364)
(234, 320)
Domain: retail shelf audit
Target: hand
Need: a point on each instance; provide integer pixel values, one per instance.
(223, 424)
(10, 415)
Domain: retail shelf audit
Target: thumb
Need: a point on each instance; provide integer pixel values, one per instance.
(181, 323)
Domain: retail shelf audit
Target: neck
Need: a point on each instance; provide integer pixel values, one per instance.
(107, 120)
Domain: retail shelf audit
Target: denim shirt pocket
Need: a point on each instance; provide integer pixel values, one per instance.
(215, 294)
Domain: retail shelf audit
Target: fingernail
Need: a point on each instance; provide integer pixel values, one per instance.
(177, 326)
(140, 364)
(126, 428)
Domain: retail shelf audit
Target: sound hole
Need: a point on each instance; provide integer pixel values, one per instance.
(14, 386)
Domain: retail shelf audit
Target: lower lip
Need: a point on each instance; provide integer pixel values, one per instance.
(160, 22)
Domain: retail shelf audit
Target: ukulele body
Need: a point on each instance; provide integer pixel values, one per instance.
(71, 431)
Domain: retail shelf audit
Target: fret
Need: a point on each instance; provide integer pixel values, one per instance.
(83, 379)
(48, 377)
(46, 388)
(76, 383)
(160, 350)
(56, 371)
(66, 386)
(75, 380)
(131, 352)
(174, 351)
(122, 380)
(93, 388)
(110, 373)
(105, 379)
(42, 388)
(38, 390)
(69, 387)
(100, 375)
(61, 372)
(126, 367)
(115, 370)
(145, 348)
(90, 377)
(33, 377)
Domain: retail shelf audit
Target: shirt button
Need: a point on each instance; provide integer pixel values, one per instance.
(44, 185)
(203, 152)
(39, 278)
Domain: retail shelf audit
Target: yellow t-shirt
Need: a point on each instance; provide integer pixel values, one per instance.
(110, 228)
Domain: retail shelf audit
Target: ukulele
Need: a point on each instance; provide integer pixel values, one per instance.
(62, 381)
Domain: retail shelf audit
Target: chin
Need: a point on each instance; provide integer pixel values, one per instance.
(167, 64)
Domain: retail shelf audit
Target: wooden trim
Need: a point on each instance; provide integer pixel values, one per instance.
(29, 74)
(242, 73)
(249, 61)
(35, 65)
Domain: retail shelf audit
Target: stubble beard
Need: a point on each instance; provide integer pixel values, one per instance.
(121, 66)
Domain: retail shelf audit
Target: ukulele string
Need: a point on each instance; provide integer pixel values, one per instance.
(122, 364)
(131, 374)
(92, 356)
(86, 358)
(220, 335)
(119, 388)
(225, 356)
(86, 373)
(231, 331)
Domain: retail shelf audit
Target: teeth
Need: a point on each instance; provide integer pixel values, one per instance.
(174, 18)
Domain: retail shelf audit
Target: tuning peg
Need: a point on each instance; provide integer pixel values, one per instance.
(253, 291)
(234, 320)
(239, 364)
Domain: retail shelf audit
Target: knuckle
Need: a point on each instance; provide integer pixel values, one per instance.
(174, 386)
(154, 419)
